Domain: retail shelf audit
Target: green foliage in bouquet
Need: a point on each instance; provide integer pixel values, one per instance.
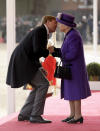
(93, 70)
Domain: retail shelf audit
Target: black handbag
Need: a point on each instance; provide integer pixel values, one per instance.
(63, 72)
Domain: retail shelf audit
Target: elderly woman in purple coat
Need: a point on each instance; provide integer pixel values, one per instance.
(72, 53)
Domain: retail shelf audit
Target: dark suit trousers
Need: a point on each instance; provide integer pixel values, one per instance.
(34, 104)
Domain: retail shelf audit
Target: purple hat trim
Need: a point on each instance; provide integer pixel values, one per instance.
(66, 19)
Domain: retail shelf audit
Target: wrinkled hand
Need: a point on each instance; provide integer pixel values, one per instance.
(51, 49)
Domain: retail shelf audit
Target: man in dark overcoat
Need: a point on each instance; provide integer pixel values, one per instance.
(24, 67)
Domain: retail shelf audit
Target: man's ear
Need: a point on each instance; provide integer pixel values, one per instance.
(47, 22)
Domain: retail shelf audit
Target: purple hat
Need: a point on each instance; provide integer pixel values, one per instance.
(66, 19)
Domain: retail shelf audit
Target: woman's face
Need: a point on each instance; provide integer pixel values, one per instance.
(62, 27)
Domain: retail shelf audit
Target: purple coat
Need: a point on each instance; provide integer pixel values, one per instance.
(72, 53)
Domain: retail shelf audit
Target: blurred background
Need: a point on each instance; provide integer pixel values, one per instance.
(29, 13)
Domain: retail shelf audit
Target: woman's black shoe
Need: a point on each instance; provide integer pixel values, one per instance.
(73, 121)
(67, 119)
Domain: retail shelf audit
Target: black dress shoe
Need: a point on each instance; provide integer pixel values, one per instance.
(73, 121)
(38, 119)
(22, 118)
(67, 119)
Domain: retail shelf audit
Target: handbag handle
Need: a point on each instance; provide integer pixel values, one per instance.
(64, 65)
